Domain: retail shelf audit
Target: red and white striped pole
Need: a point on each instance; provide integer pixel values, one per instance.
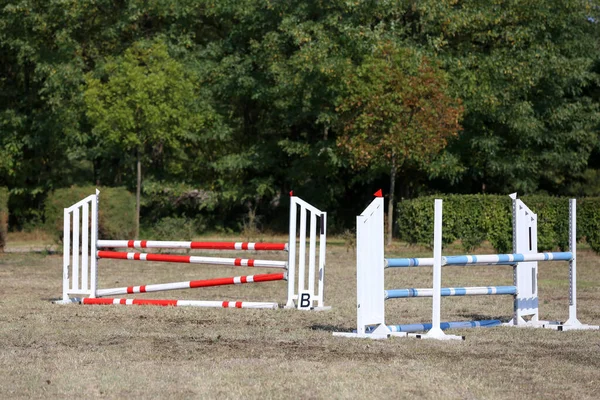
(238, 262)
(157, 244)
(179, 303)
(234, 280)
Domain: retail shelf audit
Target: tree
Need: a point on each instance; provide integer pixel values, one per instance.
(398, 112)
(524, 70)
(144, 104)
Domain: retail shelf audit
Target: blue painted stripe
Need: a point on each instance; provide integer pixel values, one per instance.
(562, 256)
(457, 260)
(445, 325)
(400, 262)
(506, 289)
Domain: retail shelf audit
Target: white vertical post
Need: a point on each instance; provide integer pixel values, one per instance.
(302, 249)
(573, 263)
(292, 253)
(370, 310)
(76, 221)
(573, 323)
(526, 303)
(312, 253)
(66, 253)
(322, 255)
(85, 230)
(436, 331)
(93, 247)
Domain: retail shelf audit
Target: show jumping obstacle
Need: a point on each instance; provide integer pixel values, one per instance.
(81, 254)
(371, 265)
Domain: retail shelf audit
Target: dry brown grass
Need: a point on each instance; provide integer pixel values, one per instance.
(54, 351)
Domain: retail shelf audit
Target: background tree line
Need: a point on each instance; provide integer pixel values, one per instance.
(220, 108)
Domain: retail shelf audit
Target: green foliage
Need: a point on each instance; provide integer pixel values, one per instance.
(241, 99)
(145, 102)
(164, 200)
(116, 215)
(4, 193)
(525, 71)
(473, 219)
(398, 111)
(172, 228)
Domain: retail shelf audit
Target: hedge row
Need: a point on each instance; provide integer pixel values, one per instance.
(473, 219)
(116, 215)
(3, 217)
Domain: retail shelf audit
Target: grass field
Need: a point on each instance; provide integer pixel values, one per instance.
(56, 351)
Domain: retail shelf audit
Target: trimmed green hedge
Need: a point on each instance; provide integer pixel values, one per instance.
(3, 216)
(116, 216)
(473, 219)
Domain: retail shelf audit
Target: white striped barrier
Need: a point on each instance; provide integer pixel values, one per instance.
(371, 264)
(158, 244)
(159, 287)
(456, 291)
(305, 265)
(236, 262)
(413, 328)
(179, 303)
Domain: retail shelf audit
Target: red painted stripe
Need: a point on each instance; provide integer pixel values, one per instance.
(129, 289)
(211, 282)
(244, 279)
(269, 277)
(147, 302)
(225, 304)
(117, 255)
(130, 243)
(269, 246)
(123, 301)
(143, 244)
(251, 263)
(237, 262)
(238, 304)
(136, 256)
(143, 289)
(213, 245)
(231, 246)
(96, 301)
(168, 258)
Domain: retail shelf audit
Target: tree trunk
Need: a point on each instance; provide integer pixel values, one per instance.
(138, 190)
(390, 227)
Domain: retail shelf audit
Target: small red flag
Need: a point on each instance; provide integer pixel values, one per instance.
(291, 193)
(378, 193)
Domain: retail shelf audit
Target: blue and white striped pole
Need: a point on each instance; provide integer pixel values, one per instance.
(453, 291)
(507, 258)
(408, 262)
(410, 328)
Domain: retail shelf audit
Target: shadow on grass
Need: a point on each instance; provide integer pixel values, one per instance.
(330, 328)
(481, 317)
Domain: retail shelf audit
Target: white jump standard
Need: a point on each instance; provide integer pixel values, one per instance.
(303, 268)
(371, 265)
